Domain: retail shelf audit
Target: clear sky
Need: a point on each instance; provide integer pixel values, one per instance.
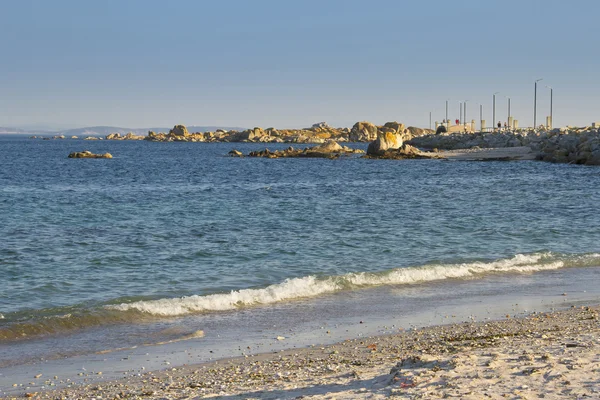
(142, 63)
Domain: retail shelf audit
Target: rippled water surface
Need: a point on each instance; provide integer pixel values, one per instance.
(175, 229)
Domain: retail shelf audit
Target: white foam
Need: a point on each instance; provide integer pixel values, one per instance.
(311, 286)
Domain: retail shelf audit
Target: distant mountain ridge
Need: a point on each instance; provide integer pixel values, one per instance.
(105, 130)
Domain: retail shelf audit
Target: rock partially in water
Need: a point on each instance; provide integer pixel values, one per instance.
(89, 154)
(404, 152)
(329, 149)
(235, 153)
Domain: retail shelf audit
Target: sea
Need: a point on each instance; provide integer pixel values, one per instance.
(175, 253)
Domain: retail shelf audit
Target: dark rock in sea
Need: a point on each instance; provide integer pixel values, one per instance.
(89, 154)
(236, 153)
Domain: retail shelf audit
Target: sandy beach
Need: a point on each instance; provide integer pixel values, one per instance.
(543, 355)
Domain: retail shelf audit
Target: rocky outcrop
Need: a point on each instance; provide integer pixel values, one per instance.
(179, 130)
(329, 149)
(404, 152)
(129, 136)
(317, 133)
(413, 131)
(88, 154)
(385, 141)
(363, 132)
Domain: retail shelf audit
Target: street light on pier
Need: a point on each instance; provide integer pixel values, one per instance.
(551, 120)
(494, 112)
(481, 117)
(465, 124)
(535, 102)
(447, 125)
(508, 118)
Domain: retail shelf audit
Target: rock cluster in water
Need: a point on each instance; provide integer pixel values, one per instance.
(564, 145)
(318, 133)
(329, 149)
(88, 154)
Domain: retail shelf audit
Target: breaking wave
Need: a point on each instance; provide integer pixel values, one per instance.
(48, 322)
(312, 286)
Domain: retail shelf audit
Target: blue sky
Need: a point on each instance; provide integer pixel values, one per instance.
(280, 63)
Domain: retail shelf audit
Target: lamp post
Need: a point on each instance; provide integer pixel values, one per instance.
(481, 117)
(459, 112)
(494, 112)
(535, 102)
(429, 120)
(508, 118)
(465, 111)
(551, 120)
(447, 125)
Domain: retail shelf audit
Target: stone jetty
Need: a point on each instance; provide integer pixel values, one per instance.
(564, 145)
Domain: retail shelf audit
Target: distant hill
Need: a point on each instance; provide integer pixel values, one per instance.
(11, 130)
(105, 130)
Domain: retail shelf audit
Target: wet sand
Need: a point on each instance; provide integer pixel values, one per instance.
(551, 355)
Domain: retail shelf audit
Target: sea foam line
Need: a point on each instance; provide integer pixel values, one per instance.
(311, 286)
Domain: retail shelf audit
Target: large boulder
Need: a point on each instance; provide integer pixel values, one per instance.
(413, 131)
(397, 127)
(385, 141)
(179, 130)
(257, 134)
(363, 132)
(330, 146)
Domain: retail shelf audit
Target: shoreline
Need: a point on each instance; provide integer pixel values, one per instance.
(554, 354)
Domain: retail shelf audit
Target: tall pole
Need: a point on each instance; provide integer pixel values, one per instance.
(465, 111)
(551, 120)
(459, 113)
(447, 114)
(535, 102)
(430, 120)
(480, 116)
(508, 117)
(494, 112)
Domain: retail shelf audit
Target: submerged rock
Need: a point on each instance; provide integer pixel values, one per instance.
(88, 154)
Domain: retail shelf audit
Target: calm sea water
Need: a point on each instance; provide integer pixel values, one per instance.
(177, 231)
